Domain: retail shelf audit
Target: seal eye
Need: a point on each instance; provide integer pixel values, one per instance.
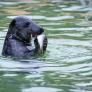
(26, 24)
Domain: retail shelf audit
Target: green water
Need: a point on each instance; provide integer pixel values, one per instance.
(66, 66)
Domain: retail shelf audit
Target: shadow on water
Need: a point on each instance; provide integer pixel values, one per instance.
(66, 66)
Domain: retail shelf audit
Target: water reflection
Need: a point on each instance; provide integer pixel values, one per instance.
(39, 89)
(66, 66)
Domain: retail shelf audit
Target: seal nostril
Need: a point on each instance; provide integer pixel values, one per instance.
(41, 31)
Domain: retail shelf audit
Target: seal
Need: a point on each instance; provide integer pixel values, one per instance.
(19, 36)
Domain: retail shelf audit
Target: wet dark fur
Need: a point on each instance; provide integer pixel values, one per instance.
(19, 36)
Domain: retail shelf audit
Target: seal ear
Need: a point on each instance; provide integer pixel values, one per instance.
(12, 24)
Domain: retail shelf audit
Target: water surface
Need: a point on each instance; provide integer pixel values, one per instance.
(66, 66)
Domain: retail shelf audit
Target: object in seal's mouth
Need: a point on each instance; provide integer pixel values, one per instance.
(41, 43)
